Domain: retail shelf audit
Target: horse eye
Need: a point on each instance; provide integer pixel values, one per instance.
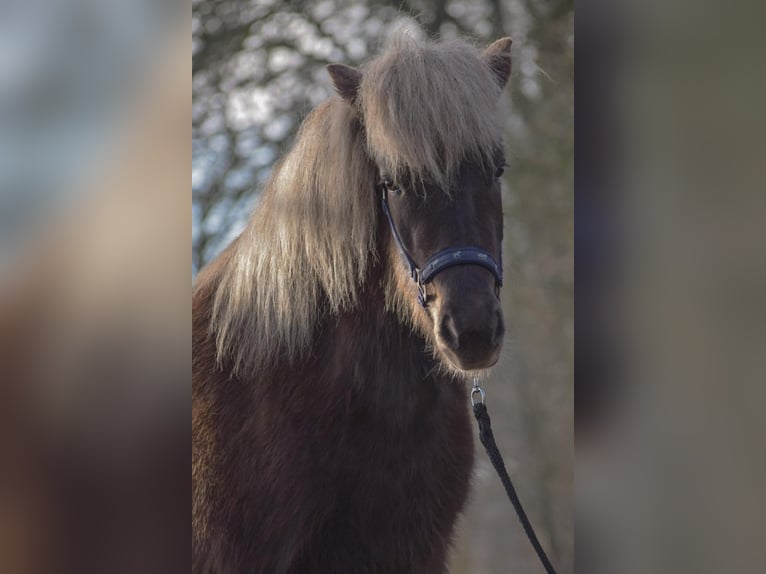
(500, 171)
(391, 186)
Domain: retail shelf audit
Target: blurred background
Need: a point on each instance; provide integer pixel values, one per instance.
(258, 68)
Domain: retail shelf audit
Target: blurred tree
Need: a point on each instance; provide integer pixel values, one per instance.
(258, 68)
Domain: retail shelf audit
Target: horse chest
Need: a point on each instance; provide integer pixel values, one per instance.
(349, 464)
(385, 487)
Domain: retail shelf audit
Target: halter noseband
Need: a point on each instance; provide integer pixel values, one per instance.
(442, 260)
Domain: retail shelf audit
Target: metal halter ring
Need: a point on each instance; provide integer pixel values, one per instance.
(476, 390)
(422, 293)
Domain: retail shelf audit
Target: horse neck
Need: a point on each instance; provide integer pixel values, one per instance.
(369, 349)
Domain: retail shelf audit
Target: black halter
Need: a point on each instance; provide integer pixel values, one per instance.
(442, 260)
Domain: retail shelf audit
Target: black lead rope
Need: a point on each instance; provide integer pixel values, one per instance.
(488, 440)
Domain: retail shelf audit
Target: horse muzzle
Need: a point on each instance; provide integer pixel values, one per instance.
(470, 335)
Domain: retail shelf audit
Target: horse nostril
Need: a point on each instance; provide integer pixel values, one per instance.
(448, 332)
(499, 333)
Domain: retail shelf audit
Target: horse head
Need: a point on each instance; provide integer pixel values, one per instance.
(432, 133)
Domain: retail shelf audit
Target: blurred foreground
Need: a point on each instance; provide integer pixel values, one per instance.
(671, 277)
(94, 288)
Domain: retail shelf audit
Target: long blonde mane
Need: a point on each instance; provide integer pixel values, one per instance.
(422, 107)
(429, 106)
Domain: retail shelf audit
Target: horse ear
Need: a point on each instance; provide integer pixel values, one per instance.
(346, 80)
(498, 57)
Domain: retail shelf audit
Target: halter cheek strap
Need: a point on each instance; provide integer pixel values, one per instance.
(442, 260)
